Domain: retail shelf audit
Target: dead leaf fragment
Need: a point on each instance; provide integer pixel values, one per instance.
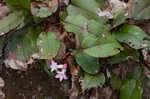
(65, 2)
(106, 93)
(2, 83)
(35, 56)
(94, 94)
(117, 5)
(44, 8)
(12, 62)
(74, 88)
(2, 95)
(3, 11)
(146, 56)
(113, 6)
(15, 64)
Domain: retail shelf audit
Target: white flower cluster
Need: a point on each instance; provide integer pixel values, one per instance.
(59, 69)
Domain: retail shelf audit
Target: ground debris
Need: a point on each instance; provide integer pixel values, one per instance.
(2, 84)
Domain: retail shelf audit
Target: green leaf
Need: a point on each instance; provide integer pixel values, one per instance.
(23, 43)
(119, 18)
(90, 81)
(20, 47)
(10, 22)
(127, 89)
(63, 14)
(91, 5)
(133, 36)
(77, 20)
(95, 41)
(73, 10)
(37, 20)
(103, 50)
(137, 93)
(18, 4)
(42, 10)
(101, 1)
(48, 45)
(122, 56)
(130, 90)
(77, 8)
(141, 9)
(88, 63)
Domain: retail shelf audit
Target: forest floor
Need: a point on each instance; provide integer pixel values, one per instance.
(37, 84)
(33, 84)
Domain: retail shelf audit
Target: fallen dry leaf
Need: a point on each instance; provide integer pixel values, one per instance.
(12, 62)
(44, 8)
(74, 71)
(74, 88)
(62, 50)
(113, 6)
(15, 64)
(2, 83)
(146, 56)
(130, 5)
(3, 11)
(106, 93)
(117, 5)
(94, 93)
(74, 92)
(2, 95)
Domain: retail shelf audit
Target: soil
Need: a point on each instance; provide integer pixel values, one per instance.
(32, 84)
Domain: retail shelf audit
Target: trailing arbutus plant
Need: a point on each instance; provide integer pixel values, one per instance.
(93, 40)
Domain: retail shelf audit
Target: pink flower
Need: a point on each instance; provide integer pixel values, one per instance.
(60, 66)
(65, 66)
(61, 75)
(53, 66)
(60, 70)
